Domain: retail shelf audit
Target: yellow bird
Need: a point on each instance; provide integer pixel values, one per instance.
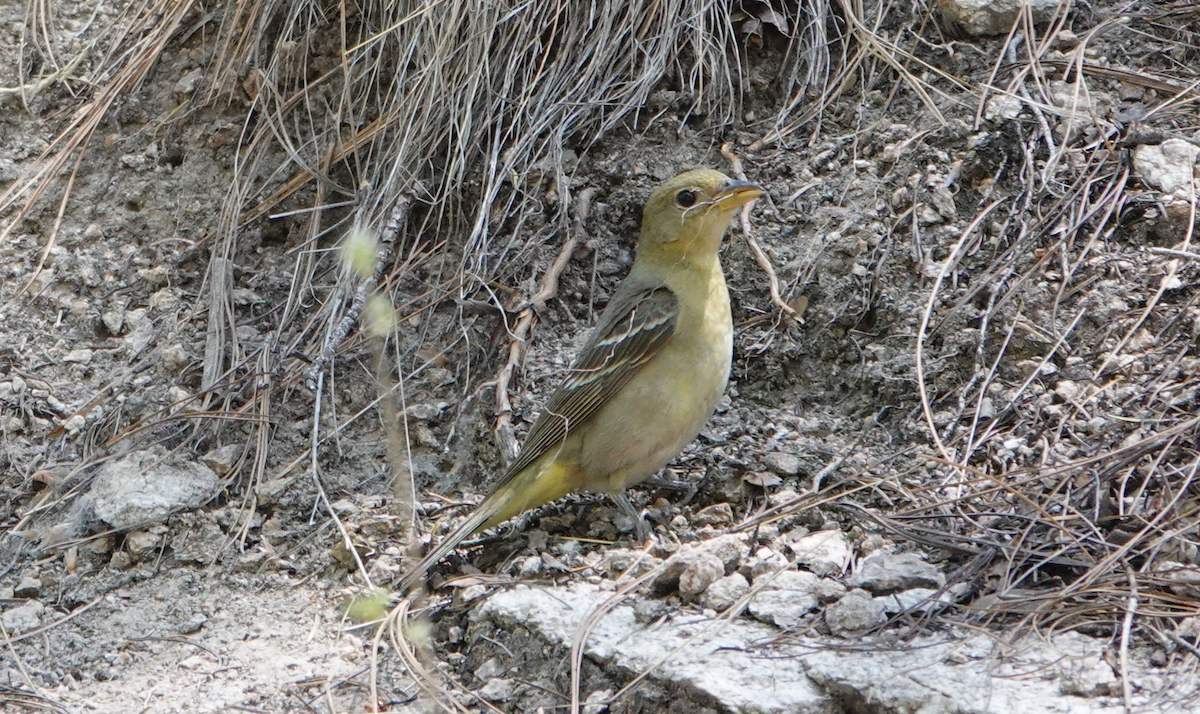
(650, 375)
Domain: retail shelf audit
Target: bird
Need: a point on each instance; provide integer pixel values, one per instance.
(649, 376)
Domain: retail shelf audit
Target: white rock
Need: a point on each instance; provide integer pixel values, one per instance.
(1167, 166)
(1002, 106)
(23, 618)
(992, 17)
(143, 487)
(725, 592)
(824, 552)
(787, 599)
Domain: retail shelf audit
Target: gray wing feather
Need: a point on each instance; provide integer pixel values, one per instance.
(631, 331)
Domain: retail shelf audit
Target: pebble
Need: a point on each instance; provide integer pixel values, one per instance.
(854, 613)
(782, 463)
(883, 573)
(725, 592)
(28, 587)
(23, 618)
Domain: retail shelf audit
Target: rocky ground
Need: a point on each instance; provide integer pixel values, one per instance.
(931, 493)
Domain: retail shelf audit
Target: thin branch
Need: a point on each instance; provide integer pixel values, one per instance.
(760, 256)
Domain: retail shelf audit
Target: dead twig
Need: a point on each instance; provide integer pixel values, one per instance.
(387, 241)
(760, 255)
(1131, 609)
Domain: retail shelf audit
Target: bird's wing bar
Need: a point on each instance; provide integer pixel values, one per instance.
(632, 330)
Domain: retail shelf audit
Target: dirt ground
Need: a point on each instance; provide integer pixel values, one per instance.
(1055, 342)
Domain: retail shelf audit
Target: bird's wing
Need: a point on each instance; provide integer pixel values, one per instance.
(632, 330)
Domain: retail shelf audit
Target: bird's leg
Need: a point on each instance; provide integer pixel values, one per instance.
(639, 523)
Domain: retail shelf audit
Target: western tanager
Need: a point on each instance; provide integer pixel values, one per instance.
(650, 375)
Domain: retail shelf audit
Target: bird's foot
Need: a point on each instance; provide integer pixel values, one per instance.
(642, 528)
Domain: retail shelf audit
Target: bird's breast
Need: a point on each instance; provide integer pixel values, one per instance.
(679, 387)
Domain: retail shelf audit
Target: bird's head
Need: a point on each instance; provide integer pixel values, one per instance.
(688, 214)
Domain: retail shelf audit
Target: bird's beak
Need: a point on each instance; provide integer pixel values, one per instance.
(737, 193)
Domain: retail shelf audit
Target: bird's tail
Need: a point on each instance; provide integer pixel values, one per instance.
(543, 481)
(449, 543)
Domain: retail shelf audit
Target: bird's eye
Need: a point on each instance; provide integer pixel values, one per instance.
(686, 198)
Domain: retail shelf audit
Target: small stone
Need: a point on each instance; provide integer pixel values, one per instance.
(113, 321)
(497, 690)
(828, 591)
(1167, 166)
(725, 550)
(139, 543)
(992, 18)
(786, 600)
(531, 567)
(97, 546)
(222, 458)
(422, 435)
(700, 573)
(199, 544)
(165, 299)
(762, 479)
(782, 463)
(718, 514)
(75, 424)
(80, 356)
(175, 357)
(120, 560)
(725, 592)
(143, 487)
(189, 82)
(854, 613)
(1082, 669)
(489, 670)
(1064, 40)
(1131, 92)
(157, 275)
(597, 702)
(1067, 389)
(424, 412)
(883, 573)
(926, 215)
(987, 408)
(617, 560)
(28, 587)
(471, 592)
(23, 618)
(782, 497)
(825, 553)
(1002, 107)
(178, 397)
(766, 561)
(647, 611)
(917, 599)
(193, 624)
